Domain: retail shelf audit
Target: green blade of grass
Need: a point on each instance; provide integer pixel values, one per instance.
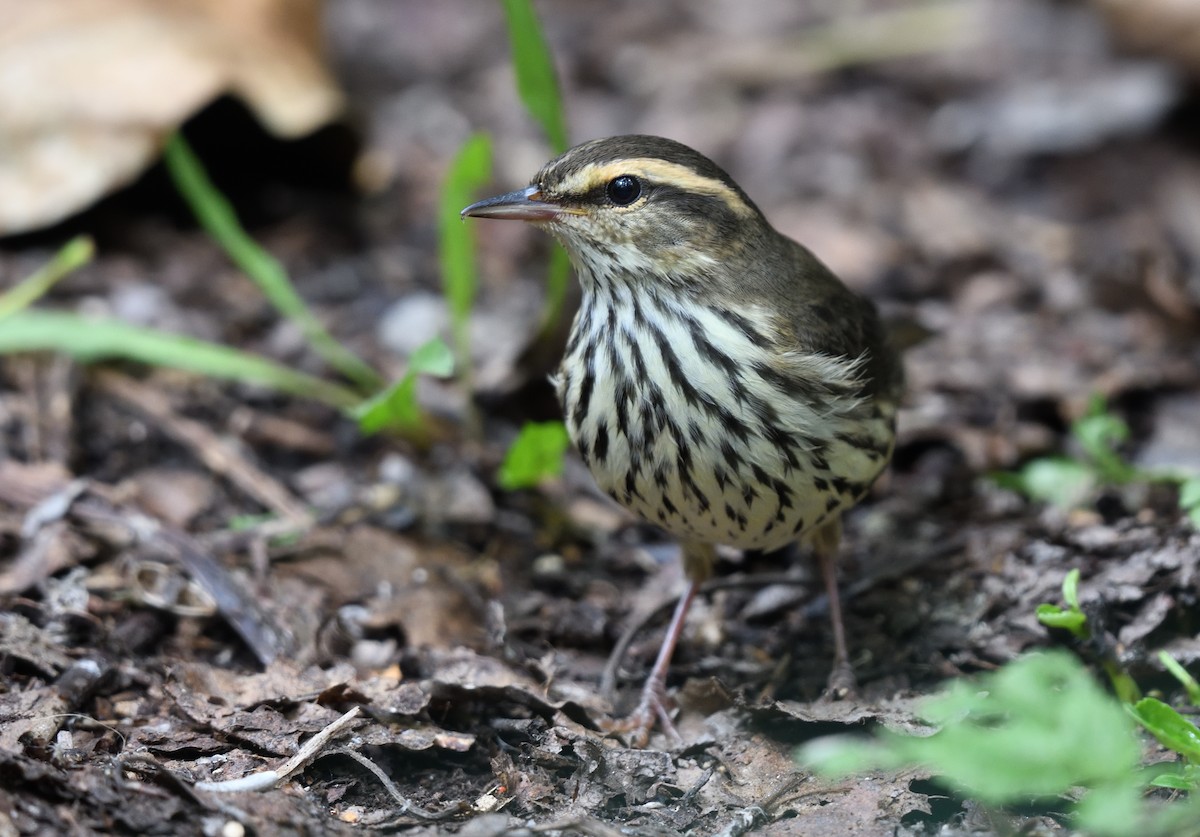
(469, 171)
(537, 83)
(73, 255)
(1182, 675)
(217, 216)
(91, 339)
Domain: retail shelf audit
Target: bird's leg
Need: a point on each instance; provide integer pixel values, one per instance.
(697, 564)
(653, 703)
(825, 541)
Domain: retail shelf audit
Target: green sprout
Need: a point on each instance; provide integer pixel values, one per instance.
(217, 216)
(1068, 482)
(73, 255)
(1069, 618)
(1073, 620)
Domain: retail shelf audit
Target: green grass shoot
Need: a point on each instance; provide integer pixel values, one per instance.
(537, 82)
(537, 85)
(217, 216)
(73, 255)
(469, 171)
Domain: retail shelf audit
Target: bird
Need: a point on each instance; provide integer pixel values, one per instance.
(718, 380)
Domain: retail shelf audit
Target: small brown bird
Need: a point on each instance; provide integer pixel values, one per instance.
(719, 380)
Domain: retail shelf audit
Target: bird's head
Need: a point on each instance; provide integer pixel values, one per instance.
(633, 206)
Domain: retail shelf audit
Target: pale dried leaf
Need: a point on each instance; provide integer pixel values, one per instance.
(90, 88)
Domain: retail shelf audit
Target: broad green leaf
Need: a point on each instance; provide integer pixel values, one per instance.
(1173, 781)
(396, 407)
(217, 216)
(1114, 810)
(1039, 726)
(537, 83)
(1171, 729)
(1059, 481)
(469, 171)
(73, 255)
(537, 454)
(91, 339)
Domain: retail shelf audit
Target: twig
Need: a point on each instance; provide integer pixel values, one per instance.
(266, 779)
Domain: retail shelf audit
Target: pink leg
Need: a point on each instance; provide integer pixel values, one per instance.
(825, 544)
(653, 702)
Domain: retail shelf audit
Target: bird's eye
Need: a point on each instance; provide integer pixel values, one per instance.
(623, 190)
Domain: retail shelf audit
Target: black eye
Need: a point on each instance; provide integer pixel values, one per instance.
(623, 190)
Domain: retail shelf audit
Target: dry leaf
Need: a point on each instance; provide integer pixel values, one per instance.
(1170, 28)
(90, 88)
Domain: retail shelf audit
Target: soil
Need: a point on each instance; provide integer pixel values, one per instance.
(197, 577)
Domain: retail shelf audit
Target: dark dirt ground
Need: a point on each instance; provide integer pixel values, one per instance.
(1005, 197)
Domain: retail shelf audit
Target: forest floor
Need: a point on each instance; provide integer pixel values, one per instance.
(166, 621)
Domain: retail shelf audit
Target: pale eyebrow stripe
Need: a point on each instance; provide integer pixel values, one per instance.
(673, 174)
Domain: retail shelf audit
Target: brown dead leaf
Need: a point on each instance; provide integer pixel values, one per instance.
(90, 88)
(1170, 28)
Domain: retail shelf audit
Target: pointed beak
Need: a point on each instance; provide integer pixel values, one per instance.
(521, 205)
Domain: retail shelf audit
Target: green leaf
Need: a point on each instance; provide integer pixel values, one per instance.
(1053, 616)
(432, 358)
(1114, 810)
(469, 171)
(396, 407)
(537, 454)
(90, 339)
(1056, 480)
(217, 216)
(1173, 781)
(1036, 727)
(1171, 729)
(537, 83)
(72, 256)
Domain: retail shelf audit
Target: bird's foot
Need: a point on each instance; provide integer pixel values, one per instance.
(654, 705)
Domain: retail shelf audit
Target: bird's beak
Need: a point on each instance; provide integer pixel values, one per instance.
(521, 205)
